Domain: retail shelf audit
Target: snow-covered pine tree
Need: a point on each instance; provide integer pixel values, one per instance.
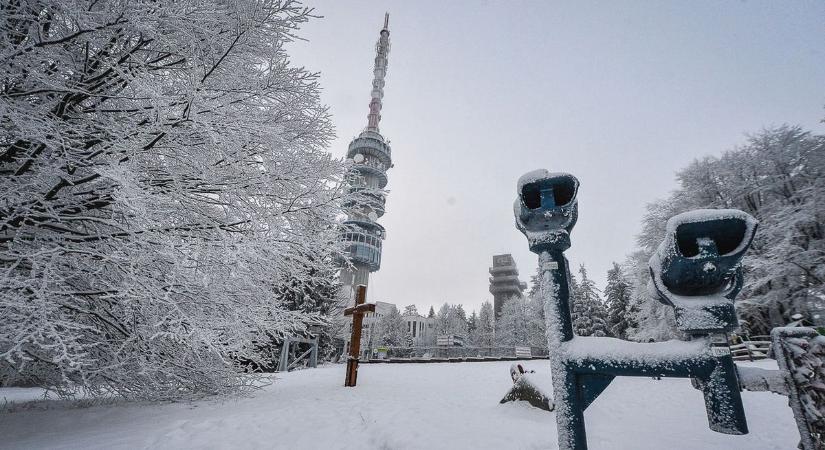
(485, 330)
(535, 283)
(410, 310)
(442, 320)
(590, 315)
(575, 311)
(458, 321)
(451, 320)
(537, 323)
(431, 314)
(164, 183)
(617, 293)
(315, 290)
(472, 325)
(391, 329)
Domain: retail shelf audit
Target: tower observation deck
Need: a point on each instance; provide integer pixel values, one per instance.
(504, 283)
(371, 157)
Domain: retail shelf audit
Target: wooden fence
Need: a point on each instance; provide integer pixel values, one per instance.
(754, 349)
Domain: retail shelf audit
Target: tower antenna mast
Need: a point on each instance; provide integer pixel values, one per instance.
(382, 51)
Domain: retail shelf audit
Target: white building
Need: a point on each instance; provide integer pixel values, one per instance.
(422, 329)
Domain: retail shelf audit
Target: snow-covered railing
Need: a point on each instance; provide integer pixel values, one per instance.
(462, 353)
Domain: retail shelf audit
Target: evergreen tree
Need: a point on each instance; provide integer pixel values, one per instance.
(451, 320)
(537, 324)
(618, 303)
(589, 311)
(410, 310)
(442, 320)
(391, 329)
(431, 314)
(535, 283)
(485, 328)
(472, 325)
(573, 287)
(458, 321)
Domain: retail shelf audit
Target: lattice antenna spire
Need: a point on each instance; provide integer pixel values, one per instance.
(382, 51)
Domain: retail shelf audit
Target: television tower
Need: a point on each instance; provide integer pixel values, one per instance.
(371, 158)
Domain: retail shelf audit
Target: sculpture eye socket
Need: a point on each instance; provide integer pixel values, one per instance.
(548, 193)
(701, 237)
(531, 195)
(563, 191)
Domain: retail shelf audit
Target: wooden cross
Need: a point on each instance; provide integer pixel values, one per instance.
(357, 312)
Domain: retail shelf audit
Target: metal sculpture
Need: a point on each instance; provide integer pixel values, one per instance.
(696, 270)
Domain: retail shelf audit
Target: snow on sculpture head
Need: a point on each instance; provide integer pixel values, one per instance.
(546, 209)
(697, 267)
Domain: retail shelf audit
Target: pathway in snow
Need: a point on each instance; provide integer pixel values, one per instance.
(403, 406)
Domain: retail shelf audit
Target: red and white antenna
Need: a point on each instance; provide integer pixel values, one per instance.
(382, 51)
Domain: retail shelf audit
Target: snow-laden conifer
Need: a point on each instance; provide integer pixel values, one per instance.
(589, 315)
(617, 293)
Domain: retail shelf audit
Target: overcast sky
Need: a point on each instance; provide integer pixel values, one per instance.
(620, 94)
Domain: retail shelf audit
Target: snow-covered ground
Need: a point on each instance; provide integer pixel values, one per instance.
(400, 406)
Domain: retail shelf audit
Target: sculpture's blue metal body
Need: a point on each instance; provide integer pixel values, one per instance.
(582, 367)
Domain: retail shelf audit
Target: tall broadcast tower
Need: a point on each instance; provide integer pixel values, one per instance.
(372, 157)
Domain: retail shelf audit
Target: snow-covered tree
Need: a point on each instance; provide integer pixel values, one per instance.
(778, 176)
(574, 293)
(617, 293)
(451, 320)
(442, 320)
(472, 326)
(535, 284)
(391, 329)
(520, 324)
(458, 321)
(485, 326)
(410, 310)
(590, 317)
(431, 314)
(167, 202)
(649, 319)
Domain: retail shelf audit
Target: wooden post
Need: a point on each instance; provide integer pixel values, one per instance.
(357, 312)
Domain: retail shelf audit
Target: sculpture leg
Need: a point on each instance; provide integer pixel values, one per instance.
(723, 399)
(569, 409)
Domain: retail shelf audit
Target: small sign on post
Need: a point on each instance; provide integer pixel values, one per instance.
(357, 312)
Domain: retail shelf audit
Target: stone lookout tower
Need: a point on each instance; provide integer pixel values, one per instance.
(371, 157)
(504, 282)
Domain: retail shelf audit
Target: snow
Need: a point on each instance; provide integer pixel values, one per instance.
(17, 395)
(541, 174)
(612, 349)
(403, 406)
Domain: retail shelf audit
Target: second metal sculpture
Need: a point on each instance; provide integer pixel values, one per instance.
(696, 270)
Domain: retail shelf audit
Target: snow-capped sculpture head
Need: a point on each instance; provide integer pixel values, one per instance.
(546, 209)
(697, 268)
